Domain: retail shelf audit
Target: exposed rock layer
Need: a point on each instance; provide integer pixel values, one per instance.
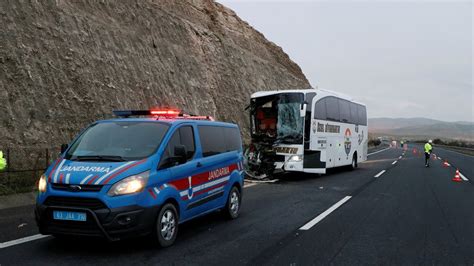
(67, 63)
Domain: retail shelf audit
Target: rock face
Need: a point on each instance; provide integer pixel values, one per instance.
(67, 63)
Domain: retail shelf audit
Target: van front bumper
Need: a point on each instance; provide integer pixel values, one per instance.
(113, 224)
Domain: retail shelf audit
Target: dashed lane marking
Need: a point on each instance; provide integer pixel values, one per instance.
(378, 151)
(22, 240)
(379, 174)
(463, 177)
(395, 162)
(323, 215)
(250, 185)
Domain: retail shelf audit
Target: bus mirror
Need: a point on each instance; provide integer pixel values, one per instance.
(303, 109)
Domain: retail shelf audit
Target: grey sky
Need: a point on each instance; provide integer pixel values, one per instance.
(401, 58)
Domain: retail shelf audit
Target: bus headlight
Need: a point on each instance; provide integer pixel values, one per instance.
(130, 185)
(42, 184)
(296, 158)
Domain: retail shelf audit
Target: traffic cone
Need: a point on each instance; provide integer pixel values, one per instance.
(445, 164)
(457, 177)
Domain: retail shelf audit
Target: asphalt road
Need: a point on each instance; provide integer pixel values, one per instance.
(408, 214)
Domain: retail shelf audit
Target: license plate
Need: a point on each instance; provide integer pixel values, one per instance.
(70, 216)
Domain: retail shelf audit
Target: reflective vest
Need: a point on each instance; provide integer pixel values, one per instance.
(3, 162)
(428, 148)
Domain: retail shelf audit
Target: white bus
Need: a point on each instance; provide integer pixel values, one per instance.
(304, 131)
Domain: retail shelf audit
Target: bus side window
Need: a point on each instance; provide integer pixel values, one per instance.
(345, 112)
(354, 114)
(332, 109)
(362, 115)
(320, 109)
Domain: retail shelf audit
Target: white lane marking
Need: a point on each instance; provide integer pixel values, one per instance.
(440, 158)
(395, 162)
(378, 151)
(399, 157)
(463, 177)
(85, 179)
(262, 181)
(324, 214)
(379, 174)
(250, 185)
(22, 240)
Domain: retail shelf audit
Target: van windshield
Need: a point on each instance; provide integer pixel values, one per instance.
(118, 141)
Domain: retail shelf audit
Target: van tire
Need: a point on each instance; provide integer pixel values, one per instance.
(232, 207)
(166, 226)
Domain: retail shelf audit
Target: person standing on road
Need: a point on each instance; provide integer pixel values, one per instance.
(3, 162)
(428, 150)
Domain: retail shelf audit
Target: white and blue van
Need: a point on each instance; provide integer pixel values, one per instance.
(142, 175)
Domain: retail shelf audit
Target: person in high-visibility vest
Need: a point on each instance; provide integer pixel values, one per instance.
(428, 150)
(3, 162)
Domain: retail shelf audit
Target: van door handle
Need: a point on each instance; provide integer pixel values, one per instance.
(199, 164)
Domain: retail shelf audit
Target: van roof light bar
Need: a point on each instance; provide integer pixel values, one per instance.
(161, 114)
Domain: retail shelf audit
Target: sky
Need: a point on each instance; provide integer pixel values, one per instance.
(401, 58)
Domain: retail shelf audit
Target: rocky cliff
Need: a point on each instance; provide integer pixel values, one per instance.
(67, 63)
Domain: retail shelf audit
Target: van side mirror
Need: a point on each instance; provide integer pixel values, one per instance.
(64, 148)
(180, 154)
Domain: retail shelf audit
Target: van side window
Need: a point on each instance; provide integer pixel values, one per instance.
(183, 136)
(232, 139)
(212, 140)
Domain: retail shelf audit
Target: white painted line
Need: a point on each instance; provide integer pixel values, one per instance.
(261, 181)
(22, 240)
(440, 158)
(379, 174)
(250, 185)
(395, 162)
(399, 157)
(463, 177)
(324, 214)
(378, 151)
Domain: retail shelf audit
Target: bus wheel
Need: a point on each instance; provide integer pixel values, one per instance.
(354, 162)
(166, 228)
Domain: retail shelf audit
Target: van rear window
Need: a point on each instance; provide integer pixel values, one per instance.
(216, 140)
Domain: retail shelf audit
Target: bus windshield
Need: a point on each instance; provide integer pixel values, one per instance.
(277, 117)
(118, 141)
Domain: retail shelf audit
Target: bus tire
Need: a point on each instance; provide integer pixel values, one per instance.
(354, 162)
(166, 228)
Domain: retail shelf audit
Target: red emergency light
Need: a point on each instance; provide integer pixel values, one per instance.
(165, 112)
(161, 113)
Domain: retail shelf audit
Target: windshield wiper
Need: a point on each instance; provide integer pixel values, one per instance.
(102, 158)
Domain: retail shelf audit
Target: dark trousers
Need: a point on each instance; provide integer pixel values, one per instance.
(427, 158)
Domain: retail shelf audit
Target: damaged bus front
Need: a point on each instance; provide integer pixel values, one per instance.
(277, 132)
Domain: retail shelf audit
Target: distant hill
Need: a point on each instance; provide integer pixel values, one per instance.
(422, 127)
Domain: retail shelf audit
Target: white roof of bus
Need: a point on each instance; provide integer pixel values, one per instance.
(318, 91)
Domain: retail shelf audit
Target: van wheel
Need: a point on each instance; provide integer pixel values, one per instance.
(166, 228)
(354, 162)
(232, 209)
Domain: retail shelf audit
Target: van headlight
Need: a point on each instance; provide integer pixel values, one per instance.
(42, 184)
(130, 185)
(296, 158)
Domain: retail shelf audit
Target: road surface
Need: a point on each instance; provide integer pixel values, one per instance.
(391, 210)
